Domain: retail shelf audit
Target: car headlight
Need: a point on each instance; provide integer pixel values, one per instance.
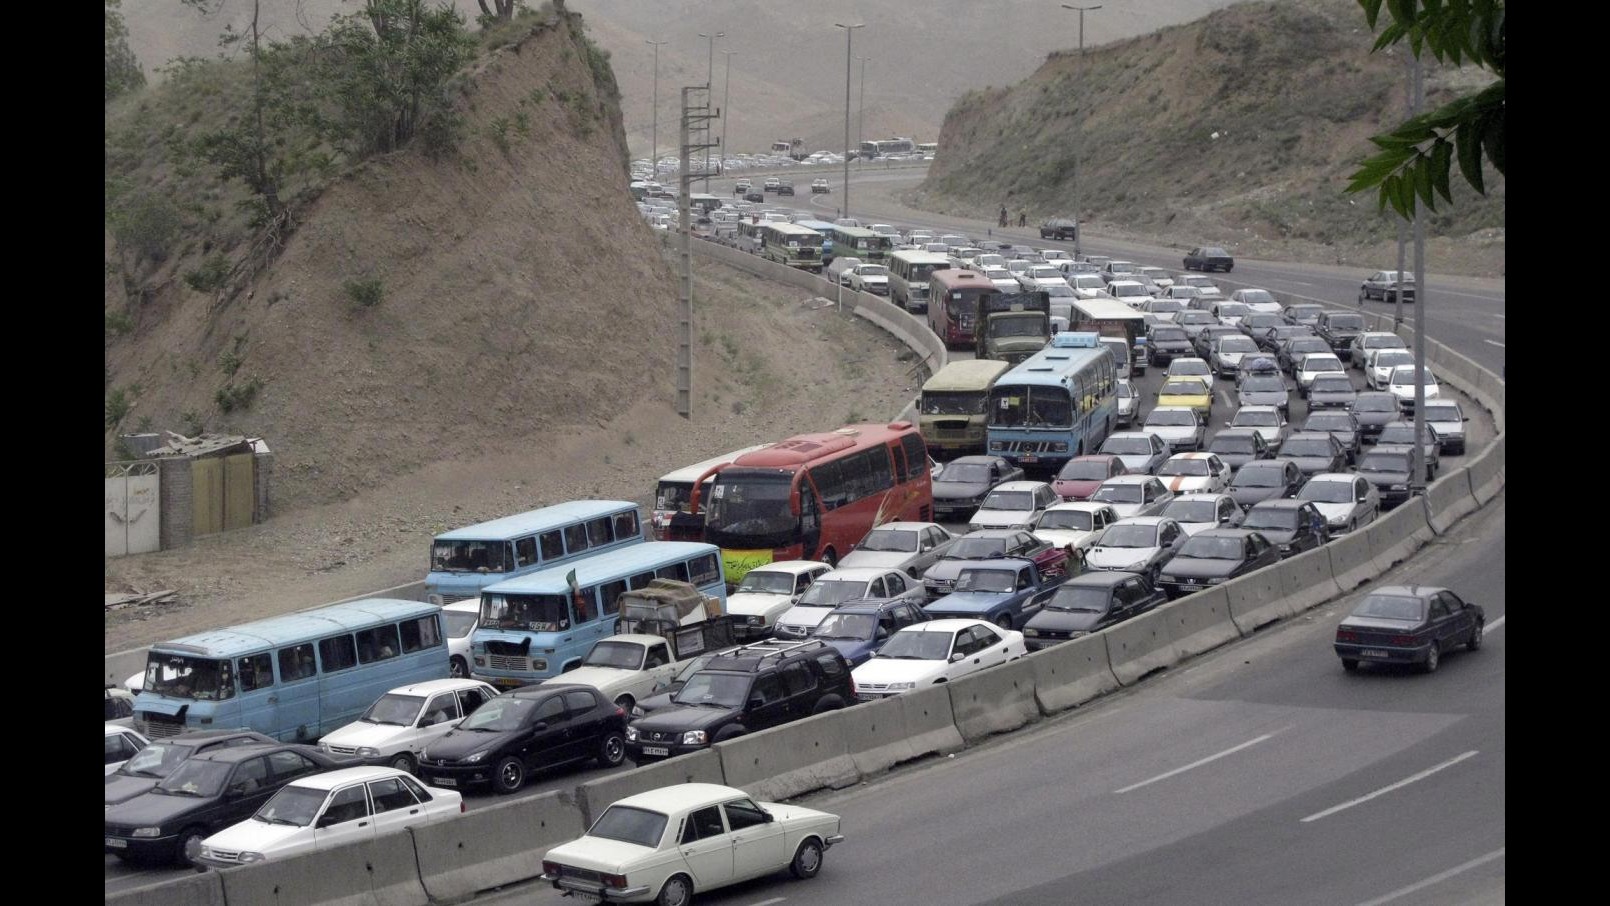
(147, 832)
(637, 711)
(1216, 580)
(695, 738)
(1032, 633)
(757, 621)
(478, 756)
(631, 732)
(898, 687)
(367, 752)
(1138, 564)
(1400, 487)
(248, 856)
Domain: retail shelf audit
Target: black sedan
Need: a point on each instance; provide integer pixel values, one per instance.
(525, 730)
(1314, 452)
(1293, 526)
(755, 196)
(1209, 258)
(1390, 469)
(1089, 602)
(1340, 423)
(964, 483)
(1331, 391)
(1265, 479)
(1059, 228)
(1165, 342)
(204, 795)
(1216, 556)
(1375, 409)
(1238, 446)
(159, 759)
(1408, 624)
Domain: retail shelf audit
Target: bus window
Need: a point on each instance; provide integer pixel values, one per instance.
(337, 653)
(553, 547)
(256, 671)
(525, 551)
(916, 456)
(706, 568)
(641, 580)
(598, 533)
(297, 663)
(626, 525)
(678, 571)
(575, 538)
(420, 633)
(377, 644)
(611, 592)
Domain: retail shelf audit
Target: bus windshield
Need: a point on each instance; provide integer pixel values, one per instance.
(537, 613)
(179, 676)
(953, 402)
(1032, 407)
(751, 504)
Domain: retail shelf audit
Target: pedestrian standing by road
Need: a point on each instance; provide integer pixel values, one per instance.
(1003, 216)
(1022, 217)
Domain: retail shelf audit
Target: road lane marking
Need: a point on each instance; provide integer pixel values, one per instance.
(1499, 316)
(1494, 624)
(769, 902)
(1493, 343)
(1387, 789)
(1195, 764)
(1436, 878)
(1224, 395)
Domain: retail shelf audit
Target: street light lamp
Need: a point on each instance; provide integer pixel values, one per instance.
(849, 44)
(1078, 132)
(726, 108)
(860, 105)
(656, 160)
(709, 85)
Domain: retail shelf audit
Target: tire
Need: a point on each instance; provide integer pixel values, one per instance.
(1004, 621)
(1433, 658)
(1362, 297)
(728, 732)
(807, 860)
(625, 703)
(403, 761)
(830, 558)
(509, 775)
(677, 891)
(188, 847)
(612, 749)
(1474, 642)
(458, 669)
(826, 705)
(1349, 664)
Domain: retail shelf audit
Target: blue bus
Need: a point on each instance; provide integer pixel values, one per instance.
(826, 229)
(293, 677)
(466, 560)
(1059, 403)
(535, 627)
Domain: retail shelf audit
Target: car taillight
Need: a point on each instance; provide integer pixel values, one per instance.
(1343, 635)
(853, 691)
(613, 880)
(462, 808)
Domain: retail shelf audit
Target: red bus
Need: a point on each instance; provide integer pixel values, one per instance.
(815, 496)
(953, 304)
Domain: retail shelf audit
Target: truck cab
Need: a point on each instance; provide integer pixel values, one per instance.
(1013, 326)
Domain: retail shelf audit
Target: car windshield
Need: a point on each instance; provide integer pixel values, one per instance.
(847, 627)
(459, 623)
(1405, 377)
(293, 805)
(1252, 475)
(1319, 362)
(1257, 419)
(1196, 467)
(727, 690)
(1392, 358)
(1305, 446)
(1282, 519)
(1170, 334)
(917, 645)
(1205, 547)
(1131, 445)
(395, 709)
(986, 580)
(1232, 443)
(1179, 418)
(1391, 607)
(970, 472)
(976, 548)
(1161, 306)
(902, 541)
(1233, 310)
(1384, 461)
(1080, 599)
(624, 655)
(1184, 388)
(1327, 492)
(1128, 535)
(1067, 520)
(156, 760)
(1009, 500)
(1117, 493)
(1328, 421)
(1331, 385)
(872, 270)
(196, 777)
(506, 712)
(1242, 344)
(630, 825)
(833, 592)
(1376, 404)
(1193, 510)
(1303, 312)
(1084, 470)
(1397, 434)
(1443, 412)
(767, 582)
(1346, 322)
(1263, 383)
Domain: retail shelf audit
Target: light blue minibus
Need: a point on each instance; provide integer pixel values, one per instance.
(536, 626)
(466, 560)
(293, 677)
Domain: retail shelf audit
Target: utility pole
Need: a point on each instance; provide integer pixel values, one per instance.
(860, 106)
(696, 118)
(1412, 90)
(849, 44)
(1078, 132)
(1418, 461)
(655, 165)
(709, 82)
(726, 109)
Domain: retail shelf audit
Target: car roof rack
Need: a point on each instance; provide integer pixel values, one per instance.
(754, 656)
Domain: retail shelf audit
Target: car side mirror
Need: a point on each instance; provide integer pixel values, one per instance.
(540, 726)
(756, 701)
(957, 656)
(427, 722)
(327, 820)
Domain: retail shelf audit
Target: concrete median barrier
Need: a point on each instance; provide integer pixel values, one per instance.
(491, 847)
(1351, 562)
(697, 767)
(795, 758)
(184, 890)
(875, 734)
(1397, 535)
(1449, 500)
(930, 718)
(1071, 673)
(1487, 472)
(1306, 580)
(1258, 599)
(995, 700)
(1140, 646)
(381, 871)
(1202, 621)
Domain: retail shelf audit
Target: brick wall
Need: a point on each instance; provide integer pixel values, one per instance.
(178, 502)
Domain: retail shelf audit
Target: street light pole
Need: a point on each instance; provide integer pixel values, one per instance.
(709, 86)
(726, 108)
(655, 166)
(1078, 132)
(849, 45)
(860, 105)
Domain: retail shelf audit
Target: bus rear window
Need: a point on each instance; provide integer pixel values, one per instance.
(419, 634)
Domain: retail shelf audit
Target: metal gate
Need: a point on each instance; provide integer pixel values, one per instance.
(223, 492)
(133, 508)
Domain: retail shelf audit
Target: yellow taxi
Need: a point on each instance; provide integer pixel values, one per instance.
(1187, 390)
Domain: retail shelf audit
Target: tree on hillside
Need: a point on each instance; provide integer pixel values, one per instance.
(1417, 157)
(123, 71)
(499, 11)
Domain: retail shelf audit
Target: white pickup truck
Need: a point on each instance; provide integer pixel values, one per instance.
(626, 668)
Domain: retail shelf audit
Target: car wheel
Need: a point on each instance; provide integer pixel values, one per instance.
(188, 848)
(678, 891)
(403, 762)
(625, 703)
(830, 558)
(1362, 298)
(612, 750)
(509, 775)
(807, 859)
(1433, 658)
(1004, 621)
(1474, 642)
(458, 669)
(1349, 664)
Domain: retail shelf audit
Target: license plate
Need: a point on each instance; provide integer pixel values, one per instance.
(656, 750)
(506, 683)
(1030, 457)
(1374, 652)
(443, 781)
(117, 843)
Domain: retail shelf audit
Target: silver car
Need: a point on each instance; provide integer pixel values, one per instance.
(910, 547)
(1448, 420)
(1134, 495)
(1181, 427)
(1347, 501)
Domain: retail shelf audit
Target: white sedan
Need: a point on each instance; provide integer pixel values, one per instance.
(1313, 365)
(328, 810)
(663, 845)
(938, 651)
(839, 269)
(868, 278)
(1401, 385)
(768, 592)
(1189, 473)
(1077, 523)
(121, 745)
(401, 723)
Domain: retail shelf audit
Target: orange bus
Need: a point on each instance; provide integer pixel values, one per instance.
(953, 304)
(814, 496)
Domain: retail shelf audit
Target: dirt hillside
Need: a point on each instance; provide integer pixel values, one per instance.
(1239, 129)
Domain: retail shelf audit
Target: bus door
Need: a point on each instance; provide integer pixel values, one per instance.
(810, 518)
(257, 701)
(294, 704)
(587, 626)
